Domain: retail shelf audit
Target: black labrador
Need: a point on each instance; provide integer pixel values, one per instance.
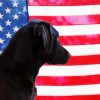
(33, 45)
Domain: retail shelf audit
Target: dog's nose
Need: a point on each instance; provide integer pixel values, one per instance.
(62, 55)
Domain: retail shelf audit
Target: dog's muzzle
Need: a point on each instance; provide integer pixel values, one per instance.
(60, 56)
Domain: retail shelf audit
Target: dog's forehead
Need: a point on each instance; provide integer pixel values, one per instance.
(36, 21)
(54, 31)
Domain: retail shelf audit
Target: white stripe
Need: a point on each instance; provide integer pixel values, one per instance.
(68, 90)
(80, 50)
(63, 10)
(76, 70)
(78, 29)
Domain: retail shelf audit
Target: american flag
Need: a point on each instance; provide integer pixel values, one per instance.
(78, 22)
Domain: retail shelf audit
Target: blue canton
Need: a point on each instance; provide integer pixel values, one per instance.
(13, 15)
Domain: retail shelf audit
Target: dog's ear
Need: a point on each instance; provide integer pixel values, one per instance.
(43, 31)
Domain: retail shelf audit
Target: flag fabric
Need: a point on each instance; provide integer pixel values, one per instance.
(78, 23)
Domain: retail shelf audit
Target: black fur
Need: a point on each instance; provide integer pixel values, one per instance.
(32, 46)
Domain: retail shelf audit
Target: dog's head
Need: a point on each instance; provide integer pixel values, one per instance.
(47, 36)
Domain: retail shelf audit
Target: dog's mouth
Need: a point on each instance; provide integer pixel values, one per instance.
(51, 62)
(59, 60)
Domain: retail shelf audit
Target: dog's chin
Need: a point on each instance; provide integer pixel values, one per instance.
(51, 62)
(56, 63)
(63, 60)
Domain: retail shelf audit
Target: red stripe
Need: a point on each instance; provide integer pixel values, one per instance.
(83, 60)
(62, 2)
(69, 20)
(80, 40)
(63, 81)
(85, 97)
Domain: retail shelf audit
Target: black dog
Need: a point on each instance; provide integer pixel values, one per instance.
(32, 46)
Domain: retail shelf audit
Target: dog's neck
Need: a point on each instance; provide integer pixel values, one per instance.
(19, 60)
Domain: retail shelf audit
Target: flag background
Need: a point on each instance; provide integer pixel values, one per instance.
(78, 22)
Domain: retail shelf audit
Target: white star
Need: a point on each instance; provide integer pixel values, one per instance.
(8, 23)
(1, 28)
(15, 4)
(15, 16)
(15, 29)
(1, 41)
(24, 9)
(8, 35)
(8, 10)
(1, 16)
(1, 4)
(0, 52)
